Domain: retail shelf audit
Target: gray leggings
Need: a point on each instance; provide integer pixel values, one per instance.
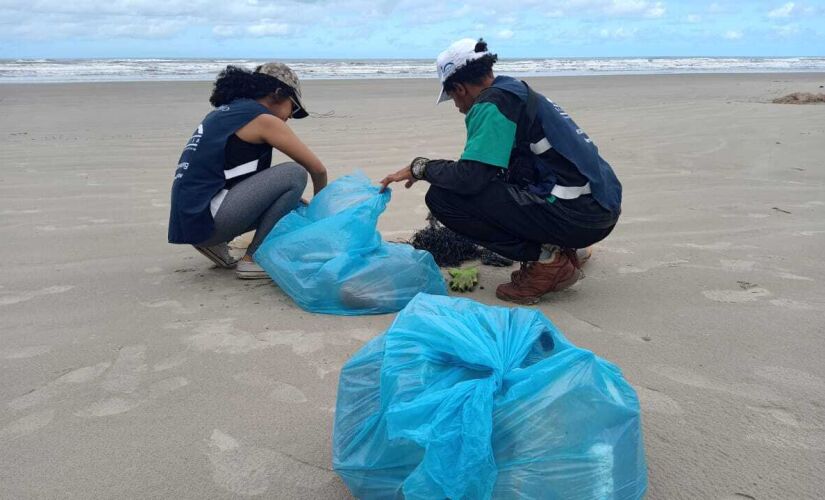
(258, 202)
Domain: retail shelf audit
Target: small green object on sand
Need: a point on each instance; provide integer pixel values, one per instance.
(463, 280)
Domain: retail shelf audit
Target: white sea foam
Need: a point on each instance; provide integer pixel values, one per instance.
(71, 70)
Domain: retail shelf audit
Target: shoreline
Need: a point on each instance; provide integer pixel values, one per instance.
(304, 81)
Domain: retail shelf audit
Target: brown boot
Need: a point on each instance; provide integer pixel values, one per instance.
(535, 279)
(578, 256)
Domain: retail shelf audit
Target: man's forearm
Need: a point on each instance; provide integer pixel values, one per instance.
(463, 176)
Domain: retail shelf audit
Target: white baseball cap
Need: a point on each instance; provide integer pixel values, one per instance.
(454, 58)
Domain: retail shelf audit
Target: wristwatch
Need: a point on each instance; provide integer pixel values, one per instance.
(418, 167)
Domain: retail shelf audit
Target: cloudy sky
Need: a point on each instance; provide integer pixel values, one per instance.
(407, 28)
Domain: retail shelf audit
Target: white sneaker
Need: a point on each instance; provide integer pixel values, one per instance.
(219, 254)
(583, 255)
(248, 270)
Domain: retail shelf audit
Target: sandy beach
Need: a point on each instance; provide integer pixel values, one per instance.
(132, 368)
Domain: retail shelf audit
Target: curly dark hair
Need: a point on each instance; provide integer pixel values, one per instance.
(474, 72)
(236, 83)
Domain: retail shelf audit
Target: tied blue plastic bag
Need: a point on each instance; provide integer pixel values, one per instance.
(329, 257)
(465, 401)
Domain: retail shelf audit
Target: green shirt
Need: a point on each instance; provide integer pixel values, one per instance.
(490, 134)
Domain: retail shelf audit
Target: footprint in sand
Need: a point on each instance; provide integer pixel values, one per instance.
(737, 266)
(171, 362)
(618, 250)
(220, 336)
(795, 277)
(60, 384)
(684, 376)
(249, 470)
(570, 322)
(20, 212)
(107, 407)
(125, 380)
(652, 264)
(172, 305)
(125, 374)
(25, 352)
(792, 377)
(736, 296)
(278, 391)
(658, 402)
(792, 304)
(26, 425)
(117, 405)
(6, 300)
(719, 245)
(778, 427)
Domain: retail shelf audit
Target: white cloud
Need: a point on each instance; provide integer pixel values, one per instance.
(732, 35)
(268, 28)
(787, 30)
(693, 18)
(505, 34)
(656, 10)
(620, 33)
(151, 29)
(784, 11)
(223, 31)
(626, 6)
(606, 8)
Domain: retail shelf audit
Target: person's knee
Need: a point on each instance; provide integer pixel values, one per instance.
(435, 199)
(294, 174)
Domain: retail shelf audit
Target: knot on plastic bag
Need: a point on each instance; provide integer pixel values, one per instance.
(453, 421)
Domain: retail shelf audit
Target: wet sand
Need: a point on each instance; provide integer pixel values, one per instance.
(132, 368)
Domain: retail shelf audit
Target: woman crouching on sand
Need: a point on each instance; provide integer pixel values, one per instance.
(224, 185)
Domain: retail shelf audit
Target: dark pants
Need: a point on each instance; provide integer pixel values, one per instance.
(514, 223)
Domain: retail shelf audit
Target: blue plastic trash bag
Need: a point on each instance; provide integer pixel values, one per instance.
(330, 258)
(464, 401)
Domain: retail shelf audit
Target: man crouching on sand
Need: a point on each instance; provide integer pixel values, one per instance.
(530, 185)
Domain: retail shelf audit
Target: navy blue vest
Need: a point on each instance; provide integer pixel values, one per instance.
(200, 173)
(569, 141)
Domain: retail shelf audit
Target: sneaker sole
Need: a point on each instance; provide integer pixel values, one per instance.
(255, 275)
(215, 258)
(529, 301)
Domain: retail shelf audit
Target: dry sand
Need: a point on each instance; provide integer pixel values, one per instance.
(131, 368)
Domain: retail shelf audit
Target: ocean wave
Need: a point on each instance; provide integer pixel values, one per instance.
(79, 70)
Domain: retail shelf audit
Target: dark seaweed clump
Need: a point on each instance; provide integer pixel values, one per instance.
(450, 249)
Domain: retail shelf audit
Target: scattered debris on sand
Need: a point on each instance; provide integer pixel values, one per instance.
(801, 98)
(450, 249)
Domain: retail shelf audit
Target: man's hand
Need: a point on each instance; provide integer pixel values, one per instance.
(405, 174)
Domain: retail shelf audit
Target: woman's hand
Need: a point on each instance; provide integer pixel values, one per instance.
(319, 180)
(405, 174)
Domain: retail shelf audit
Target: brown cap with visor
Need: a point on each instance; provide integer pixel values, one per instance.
(285, 75)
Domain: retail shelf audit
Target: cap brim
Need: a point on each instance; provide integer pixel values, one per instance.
(442, 96)
(301, 113)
